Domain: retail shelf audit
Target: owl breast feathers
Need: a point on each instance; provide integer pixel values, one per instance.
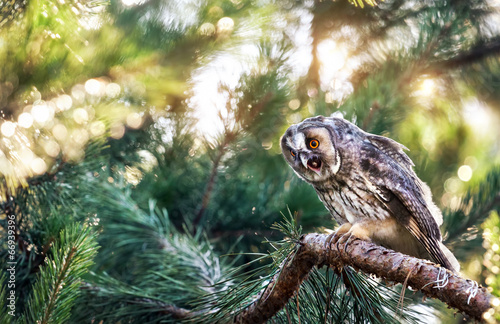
(368, 185)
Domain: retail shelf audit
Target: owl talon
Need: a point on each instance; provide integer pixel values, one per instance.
(345, 240)
(348, 241)
(337, 235)
(329, 239)
(328, 243)
(340, 241)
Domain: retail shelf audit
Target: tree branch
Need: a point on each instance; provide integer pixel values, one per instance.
(475, 54)
(434, 281)
(229, 137)
(211, 182)
(159, 306)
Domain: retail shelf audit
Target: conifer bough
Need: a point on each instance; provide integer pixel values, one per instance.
(434, 281)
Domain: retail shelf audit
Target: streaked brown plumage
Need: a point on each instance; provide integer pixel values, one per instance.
(368, 185)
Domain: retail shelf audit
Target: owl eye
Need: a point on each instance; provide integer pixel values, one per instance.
(314, 143)
(292, 153)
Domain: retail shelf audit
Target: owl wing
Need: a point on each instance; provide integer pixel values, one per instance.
(396, 185)
(392, 149)
(418, 220)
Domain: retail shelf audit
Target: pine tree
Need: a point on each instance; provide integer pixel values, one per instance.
(141, 179)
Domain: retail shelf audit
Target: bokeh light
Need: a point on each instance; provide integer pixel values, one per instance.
(61, 128)
(80, 136)
(331, 56)
(25, 120)
(52, 148)
(26, 155)
(63, 102)
(294, 104)
(38, 166)
(427, 87)
(113, 90)
(8, 129)
(41, 112)
(133, 175)
(97, 128)
(225, 25)
(78, 93)
(134, 120)
(60, 132)
(95, 87)
(478, 115)
(464, 173)
(80, 115)
(207, 29)
(117, 131)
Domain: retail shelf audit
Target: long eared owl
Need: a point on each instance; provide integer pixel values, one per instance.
(368, 185)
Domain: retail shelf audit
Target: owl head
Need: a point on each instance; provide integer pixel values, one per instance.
(309, 148)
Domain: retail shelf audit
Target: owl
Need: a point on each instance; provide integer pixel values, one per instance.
(368, 185)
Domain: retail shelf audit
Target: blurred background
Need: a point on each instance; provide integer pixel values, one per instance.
(156, 124)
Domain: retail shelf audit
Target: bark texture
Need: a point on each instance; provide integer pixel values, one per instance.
(434, 281)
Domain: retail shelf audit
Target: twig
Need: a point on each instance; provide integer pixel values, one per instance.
(352, 288)
(374, 108)
(159, 306)
(211, 182)
(229, 137)
(245, 232)
(163, 308)
(369, 258)
(55, 292)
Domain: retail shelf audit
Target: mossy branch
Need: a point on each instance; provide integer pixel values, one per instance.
(434, 281)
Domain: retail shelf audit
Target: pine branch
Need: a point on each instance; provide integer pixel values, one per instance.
(476, 54)
(159, 306)
(475, 206)
(166, 309)
(55, 290)
(434, 281)
(211, 182)
(5, 317)
(230, 136)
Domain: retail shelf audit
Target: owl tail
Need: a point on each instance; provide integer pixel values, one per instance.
(453, 264)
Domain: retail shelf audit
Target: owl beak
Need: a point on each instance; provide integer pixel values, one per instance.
(303, 159)
(311, 162)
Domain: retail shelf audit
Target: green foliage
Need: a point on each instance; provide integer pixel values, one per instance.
(463, 224)
(57, 285)
(491, 261)
(326, 296)
(361, 3)
(347, 297)
(145, 265)
(4, 316)
(380, 104)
